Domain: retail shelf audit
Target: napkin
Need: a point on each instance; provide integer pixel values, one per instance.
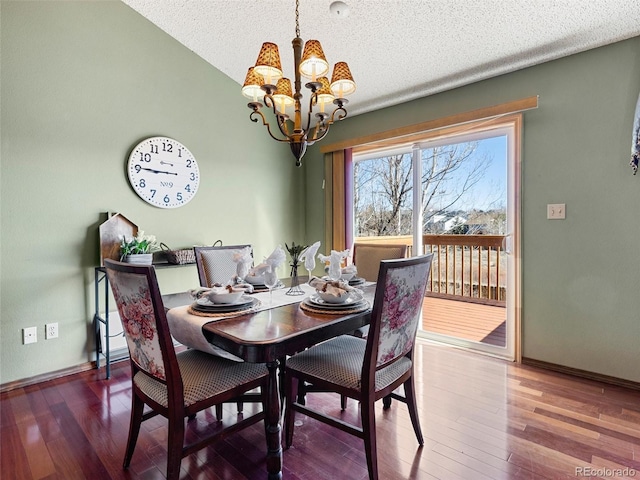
(308, 255)
(332, 287)
(273, 261)
(335, 262)
(244, 261)
(200, 292)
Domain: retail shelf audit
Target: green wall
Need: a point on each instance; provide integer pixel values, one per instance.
(581, 276)
(81, 84)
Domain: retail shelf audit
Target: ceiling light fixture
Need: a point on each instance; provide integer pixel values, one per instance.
(265, 82)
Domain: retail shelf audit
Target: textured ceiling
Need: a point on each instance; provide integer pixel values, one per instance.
(398, 50)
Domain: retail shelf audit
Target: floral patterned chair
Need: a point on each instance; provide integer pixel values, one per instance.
(174, 385)
(372, 368)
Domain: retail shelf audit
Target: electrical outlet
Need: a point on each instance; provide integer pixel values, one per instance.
(51, 330)
(29, 335)
(556, 211)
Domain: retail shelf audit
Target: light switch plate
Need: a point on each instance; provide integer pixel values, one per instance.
(556, 211)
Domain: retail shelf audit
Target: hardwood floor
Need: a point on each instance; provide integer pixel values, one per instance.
(482, 418)
(471, 321)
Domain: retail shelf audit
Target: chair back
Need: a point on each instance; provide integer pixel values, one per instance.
(215, 264)
(367, 257)
(137, 295)
(396, 311)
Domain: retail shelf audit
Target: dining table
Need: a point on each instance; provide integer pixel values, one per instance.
(273, 328)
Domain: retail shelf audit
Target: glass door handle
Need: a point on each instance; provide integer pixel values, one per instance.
(507, 244)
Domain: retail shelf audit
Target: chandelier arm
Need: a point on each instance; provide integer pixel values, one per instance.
(341, 115)
(323, 132)
(312, 103)
(253, 116)
(270, 102)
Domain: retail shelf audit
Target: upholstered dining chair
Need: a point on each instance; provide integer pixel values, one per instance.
(367, 257)
(215, 264)
(372, 368)
(174, 385)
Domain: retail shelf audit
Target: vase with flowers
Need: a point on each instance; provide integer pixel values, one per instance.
(294, 252)
(138, 249)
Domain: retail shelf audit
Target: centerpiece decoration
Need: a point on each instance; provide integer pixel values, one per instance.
(138, 249)
(295, 251)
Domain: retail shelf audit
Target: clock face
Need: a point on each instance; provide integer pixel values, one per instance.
(163, 172)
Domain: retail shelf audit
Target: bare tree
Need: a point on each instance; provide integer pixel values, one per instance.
(383, 190)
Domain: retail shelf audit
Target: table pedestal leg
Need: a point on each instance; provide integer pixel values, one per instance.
(272, 425)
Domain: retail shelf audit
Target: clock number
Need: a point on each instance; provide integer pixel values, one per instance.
(167, 147)
(179, 196)
(192, 176)
(154, 148)
(189, 163)
(179, 153)
(137, 168)
(187, 187)
(166, 199)
(153, 192)
(145, 157)
(142, 183)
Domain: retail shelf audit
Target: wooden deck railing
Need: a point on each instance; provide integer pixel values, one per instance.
(470, 267)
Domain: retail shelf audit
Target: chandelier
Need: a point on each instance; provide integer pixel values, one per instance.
(265, 82)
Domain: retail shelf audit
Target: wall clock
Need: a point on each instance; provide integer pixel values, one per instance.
(163, 172)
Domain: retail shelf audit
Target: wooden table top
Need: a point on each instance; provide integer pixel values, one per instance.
(270, 334)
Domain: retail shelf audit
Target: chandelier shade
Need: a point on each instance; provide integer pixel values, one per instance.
(252, 87)
(313, 63)
(268, 63)
(284, 94)
(277, 93)
(325, 95)
(341, 81)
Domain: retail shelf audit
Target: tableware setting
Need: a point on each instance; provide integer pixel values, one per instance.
(205, 305)
(225, 295)
(334, 296)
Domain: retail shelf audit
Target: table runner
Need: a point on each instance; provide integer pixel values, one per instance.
(187, 329)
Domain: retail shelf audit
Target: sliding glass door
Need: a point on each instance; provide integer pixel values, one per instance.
(455, 195)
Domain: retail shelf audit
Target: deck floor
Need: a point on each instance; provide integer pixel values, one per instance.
(470, 321)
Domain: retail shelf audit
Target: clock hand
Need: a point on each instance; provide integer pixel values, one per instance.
(158, 171)
(162, 162)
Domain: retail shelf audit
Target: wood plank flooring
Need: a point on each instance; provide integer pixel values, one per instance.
(482, 418)
(468, 320)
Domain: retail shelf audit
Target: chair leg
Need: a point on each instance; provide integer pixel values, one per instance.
(219, 412)
(282, 361)
(386, 402)
(367, 410)
(174, 446)
(240, 406)
(291, 388)
(137, 409)
(302, 393)
(343, 402)
(409, 393)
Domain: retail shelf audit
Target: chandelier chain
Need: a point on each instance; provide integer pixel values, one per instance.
(297, 19)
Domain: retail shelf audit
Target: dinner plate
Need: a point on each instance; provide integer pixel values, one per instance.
(354, 301)
(335, 307)
(205, 305)
(354, 298)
